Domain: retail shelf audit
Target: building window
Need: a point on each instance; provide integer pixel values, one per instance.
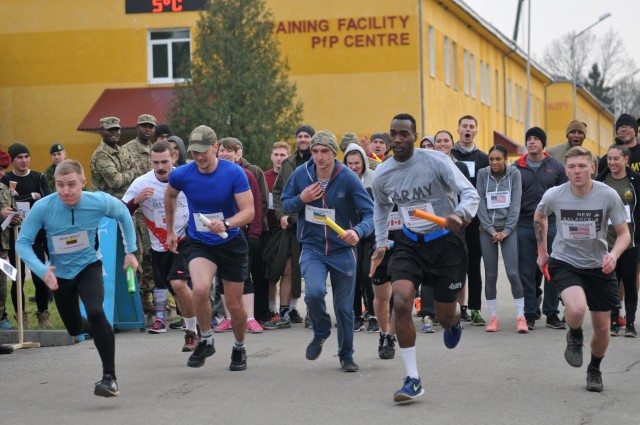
(472, 76)
(466, 72)
(487, 76)
(509, 99)
(481, 81)
(455, 64)
(169, 55)
(497, 92)
(447, 62)
(432, 53)
(519, 103)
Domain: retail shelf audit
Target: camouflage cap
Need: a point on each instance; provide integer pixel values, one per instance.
(147, 119)
(201, 139)
(348, 138)
(109, 122)
(325, 138)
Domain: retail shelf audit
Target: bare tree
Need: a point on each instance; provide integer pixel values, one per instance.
(567, 56)
(611, 56)
(627, 95)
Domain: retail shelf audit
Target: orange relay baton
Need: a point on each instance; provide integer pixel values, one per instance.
(431, 217)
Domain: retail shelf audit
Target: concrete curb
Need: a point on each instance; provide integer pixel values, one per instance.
(45, 338)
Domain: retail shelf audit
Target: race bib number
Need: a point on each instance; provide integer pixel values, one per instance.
(578, 230)
(498, 199)
(395, 223)
(471, 165)
(270, 201)
(409, 219)
(73, 242)
(200, 227)
(160, 218)
(23, 208)
(315, 214)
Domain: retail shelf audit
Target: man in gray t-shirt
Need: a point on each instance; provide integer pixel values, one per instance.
(580, 267)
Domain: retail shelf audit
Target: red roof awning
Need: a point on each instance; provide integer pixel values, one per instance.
(127, 104)
(512, 146)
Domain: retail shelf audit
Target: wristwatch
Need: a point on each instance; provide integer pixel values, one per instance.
(226, 224)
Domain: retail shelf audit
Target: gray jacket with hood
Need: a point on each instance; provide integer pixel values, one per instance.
(367, 176)
(499, 219)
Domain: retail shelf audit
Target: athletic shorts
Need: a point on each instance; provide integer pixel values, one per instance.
(440, 263)
(600, 289)
(380, 277)
(168, 266)
(231, 258)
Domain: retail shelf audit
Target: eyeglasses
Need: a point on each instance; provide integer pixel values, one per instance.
(625, 127)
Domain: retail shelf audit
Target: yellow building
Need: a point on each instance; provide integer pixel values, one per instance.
(356, 64)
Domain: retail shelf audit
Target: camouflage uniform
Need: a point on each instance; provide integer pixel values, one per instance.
(140, 155)
(48, 176)
(6, 200)
(111, 170)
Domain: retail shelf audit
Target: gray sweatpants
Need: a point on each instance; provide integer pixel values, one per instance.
(509, 247)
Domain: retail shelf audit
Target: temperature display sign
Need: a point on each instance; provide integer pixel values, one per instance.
(164, 6)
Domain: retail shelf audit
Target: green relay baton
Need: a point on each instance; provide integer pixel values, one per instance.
(131, 280)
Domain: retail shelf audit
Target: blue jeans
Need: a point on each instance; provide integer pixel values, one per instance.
(527, 257)
(342, 268)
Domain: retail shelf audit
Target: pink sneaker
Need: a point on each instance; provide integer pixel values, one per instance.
(224, 326)
(522, 325)
(253, 327)
(494, 325)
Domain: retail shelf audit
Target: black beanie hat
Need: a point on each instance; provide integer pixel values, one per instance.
(307, 129)
(628, 120)
(382, 136)
(539, 133)
(17, 149)
(163, 129)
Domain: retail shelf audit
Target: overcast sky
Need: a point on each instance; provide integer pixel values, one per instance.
(550, 19)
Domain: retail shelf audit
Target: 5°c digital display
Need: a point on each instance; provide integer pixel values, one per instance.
(164, 6)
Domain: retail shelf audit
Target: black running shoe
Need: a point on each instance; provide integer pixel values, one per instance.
(554, 322)
(573, 352)
(202, 351)
(238, 359)
(531, 323)
(464, 314)
(388, 349)
(108, 387)
(178, 324)
(295, 317)
(358, 324)
(315, 348)
(373, 327)
(594, 380)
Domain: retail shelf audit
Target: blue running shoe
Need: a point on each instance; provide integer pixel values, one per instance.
(411, 389)
(452, 336)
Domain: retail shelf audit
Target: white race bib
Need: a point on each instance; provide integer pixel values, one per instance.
(578, 230)
(211, 216)
(407, 214)
(498, 199)
(313, 214)
(395, 223)
(471, 165)
(73, 242)
(160, 218)
(23, 208)
(270, 201)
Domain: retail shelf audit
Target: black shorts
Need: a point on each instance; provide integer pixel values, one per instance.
(168, 266)
(231, 258)
(380, 277)
(600, 289)
(440, 263)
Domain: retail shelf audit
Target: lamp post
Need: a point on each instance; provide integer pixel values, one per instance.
(575, 73)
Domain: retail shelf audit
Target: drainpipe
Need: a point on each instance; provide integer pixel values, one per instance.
(421, 44)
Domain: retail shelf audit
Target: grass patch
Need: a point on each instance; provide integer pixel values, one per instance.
(29, 291)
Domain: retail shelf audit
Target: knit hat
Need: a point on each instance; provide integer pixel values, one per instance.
(348, 138)
(383, 136)
(18, 149)
(325, 138)
(57, 147)
(5, 159)
(539, 133)
(576, 125)
(626, 119)
(163, 129)
(305, 129)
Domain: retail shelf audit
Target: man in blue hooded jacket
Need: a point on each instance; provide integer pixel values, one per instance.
(325, 187)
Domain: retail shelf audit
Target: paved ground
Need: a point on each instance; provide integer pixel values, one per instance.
(502, 378)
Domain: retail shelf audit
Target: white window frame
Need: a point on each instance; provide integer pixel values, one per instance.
(466, 72)
(487, 77)
(472, 76)
(432, 52)
(509, 99)
(497, 92)
(454, 54)
(168, 42)
(481, 65)
(447, 61)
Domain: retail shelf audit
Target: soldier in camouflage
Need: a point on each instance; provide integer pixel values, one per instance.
(139, 150)
(111, 168)
(58, 154)
(7, 206)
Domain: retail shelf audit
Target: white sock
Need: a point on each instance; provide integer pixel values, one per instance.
(492, 305)
(208, 336)
(409, 359)
(190, 323)
(250, 319)
(519, 302)
(293, 304)
(272, 306)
